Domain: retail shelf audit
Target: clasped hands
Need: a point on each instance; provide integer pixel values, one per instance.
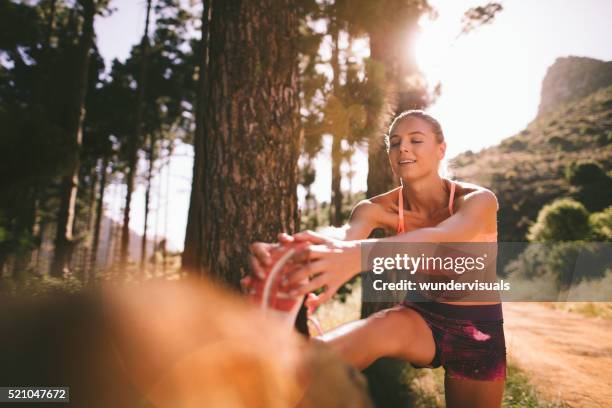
(326, 263)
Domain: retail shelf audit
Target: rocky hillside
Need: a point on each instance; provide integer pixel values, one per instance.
(572, 78)
(527, 170)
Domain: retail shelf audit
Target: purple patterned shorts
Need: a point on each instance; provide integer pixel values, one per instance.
(469, 340)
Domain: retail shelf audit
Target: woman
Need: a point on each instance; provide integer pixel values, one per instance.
(466, 338)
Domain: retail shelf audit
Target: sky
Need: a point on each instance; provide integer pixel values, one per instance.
(490, 81)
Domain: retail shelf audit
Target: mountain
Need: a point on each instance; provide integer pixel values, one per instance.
(108, 247)
(571, 79)
(527, 170)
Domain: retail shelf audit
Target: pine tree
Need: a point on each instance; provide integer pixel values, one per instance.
(64, 244)
(246, 162)
(135, 141)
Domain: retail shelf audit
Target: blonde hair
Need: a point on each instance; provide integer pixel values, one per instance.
(444, 169)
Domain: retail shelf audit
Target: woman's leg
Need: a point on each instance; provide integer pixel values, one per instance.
(473, 393)
(398, 332)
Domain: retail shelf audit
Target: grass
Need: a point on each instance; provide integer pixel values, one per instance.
(334, 313)
(31, 284)
(428, 385)
(590, 309)
(39, 285)
(520, 393)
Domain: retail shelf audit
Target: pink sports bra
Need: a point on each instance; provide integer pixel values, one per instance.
(480, 237)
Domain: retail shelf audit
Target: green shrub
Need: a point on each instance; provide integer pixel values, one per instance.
(530, 264)
(601, 225)
(562, 220)
(584, 172)
(544, 268)
(513, 145)
(561, 143)
(571, 262)
(604, 139)
(594, 186)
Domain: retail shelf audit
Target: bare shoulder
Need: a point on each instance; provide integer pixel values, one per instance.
(380, 210)
(386, 199)
(470, 191)
(372, 205)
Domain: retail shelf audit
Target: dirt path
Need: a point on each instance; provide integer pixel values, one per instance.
(568, 356)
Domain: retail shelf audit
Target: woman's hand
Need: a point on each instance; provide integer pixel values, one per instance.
(329, 262)
(260, 253)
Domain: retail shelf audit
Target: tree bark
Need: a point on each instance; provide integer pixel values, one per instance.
(143, 246)
(93, 260)
(389, 46)
(247, 167)
(336, 151)
(193, 239)
(69, 184)
(24, 228)
(400, 97)
(50, 24)
(134, 143)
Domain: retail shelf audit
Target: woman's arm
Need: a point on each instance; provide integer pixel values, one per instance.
(478, 207)
(335, 262)
(364, 217)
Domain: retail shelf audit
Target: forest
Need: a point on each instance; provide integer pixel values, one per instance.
(254, 103)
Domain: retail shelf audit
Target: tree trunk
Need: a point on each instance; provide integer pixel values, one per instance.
(167, 204)
(247, 167)
(193, 239)
(50, 23)
(143, 247)
(69, 184)
(23, 227)
(156, 239)
(93, 260)
(134, 143)
(91, 224)
(380, 177)
(336, 151)
(389, 46)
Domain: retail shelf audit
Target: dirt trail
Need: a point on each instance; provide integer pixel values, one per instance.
(568, 356)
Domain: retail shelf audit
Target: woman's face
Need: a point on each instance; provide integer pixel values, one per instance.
(414, 151)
